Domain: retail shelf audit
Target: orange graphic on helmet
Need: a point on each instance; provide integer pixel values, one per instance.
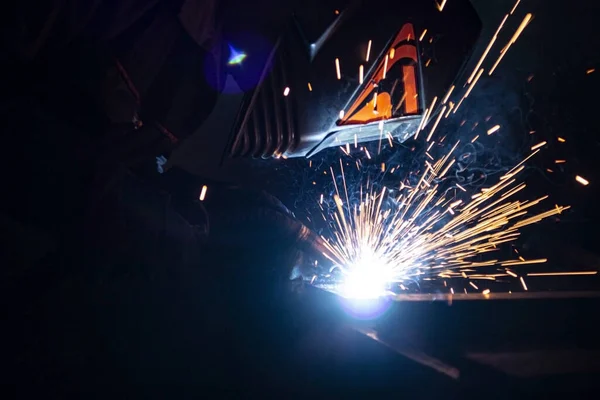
(391, 90)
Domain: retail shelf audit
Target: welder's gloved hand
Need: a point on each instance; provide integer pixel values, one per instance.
(251, 234)
(257, 227)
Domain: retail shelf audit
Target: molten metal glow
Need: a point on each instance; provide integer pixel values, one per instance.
(367, 278)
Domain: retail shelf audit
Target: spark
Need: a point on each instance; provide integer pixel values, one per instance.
(422, 35)
(591, 70)
(440, 6)
(368, 51)
(493, 129)
(428, 113)
(286, 91)
(509, 272)
(582, 180)
(475, 138)
(537, 146)
(458, 105)
(341, 114)
(473, 83)
(421, 123)
(449, 109)
(447, 96)
(523, 283)
(437, 121)
(523, 262)
(203, 193)
(562, 140)
(487, 50)
(361, 72)
(337, 69)
(518, 32)
(309, 87)
(514, 7)
(390, 139)
(560, 161)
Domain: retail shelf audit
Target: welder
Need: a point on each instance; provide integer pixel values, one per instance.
(158, 108)
(141, 77)
(145, 282)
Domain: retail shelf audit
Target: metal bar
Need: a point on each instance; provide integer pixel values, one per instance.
(428, 297)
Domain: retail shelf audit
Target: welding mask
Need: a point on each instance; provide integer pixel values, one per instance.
(346, 72)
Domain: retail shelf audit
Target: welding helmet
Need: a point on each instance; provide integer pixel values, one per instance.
(340, 72)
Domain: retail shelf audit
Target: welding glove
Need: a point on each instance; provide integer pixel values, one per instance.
(234, 234)
(260, 226)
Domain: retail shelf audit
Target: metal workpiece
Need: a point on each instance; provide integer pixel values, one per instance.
(467, 340)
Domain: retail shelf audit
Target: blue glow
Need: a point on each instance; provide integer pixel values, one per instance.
(366, 309)
(235, 56)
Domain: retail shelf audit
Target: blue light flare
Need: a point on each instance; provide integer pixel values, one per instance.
(236, 57)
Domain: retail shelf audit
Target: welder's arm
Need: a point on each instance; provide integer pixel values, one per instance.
(234, 232)
(259, 226)
(247, 221)
(175, 286)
